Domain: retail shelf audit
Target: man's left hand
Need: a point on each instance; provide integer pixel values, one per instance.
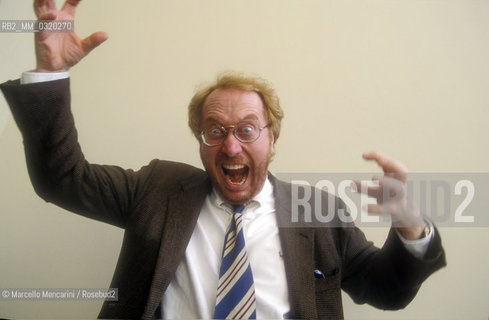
(392, 198)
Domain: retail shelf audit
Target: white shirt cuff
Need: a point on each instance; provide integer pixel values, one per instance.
(419, 247)
(33, 77)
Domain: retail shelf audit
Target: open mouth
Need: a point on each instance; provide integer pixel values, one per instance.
(236, 174)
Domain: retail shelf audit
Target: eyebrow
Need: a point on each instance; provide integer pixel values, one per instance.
(214, 120)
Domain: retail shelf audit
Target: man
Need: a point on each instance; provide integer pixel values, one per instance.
(181, 222)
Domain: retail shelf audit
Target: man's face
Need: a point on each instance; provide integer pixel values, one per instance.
(237, 169)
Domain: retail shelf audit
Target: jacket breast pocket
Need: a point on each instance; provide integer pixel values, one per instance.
(328, 296)
(330, 281)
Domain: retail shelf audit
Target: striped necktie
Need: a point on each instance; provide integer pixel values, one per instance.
(235, 291)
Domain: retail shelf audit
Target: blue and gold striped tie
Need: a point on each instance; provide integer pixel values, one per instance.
(235, 291)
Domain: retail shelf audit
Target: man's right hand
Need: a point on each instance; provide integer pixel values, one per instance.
(60, 51)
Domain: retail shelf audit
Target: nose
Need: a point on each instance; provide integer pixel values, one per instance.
(231, 146)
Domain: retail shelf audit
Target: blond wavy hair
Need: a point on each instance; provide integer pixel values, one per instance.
(242, 81)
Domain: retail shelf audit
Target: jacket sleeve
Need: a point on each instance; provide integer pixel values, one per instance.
(57, 167)
(387, 278)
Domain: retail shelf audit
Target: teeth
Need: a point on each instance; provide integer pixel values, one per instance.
(233, 166)
(230, 168)
(237, 183)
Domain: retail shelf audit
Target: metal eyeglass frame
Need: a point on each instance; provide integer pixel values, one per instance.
(226, 131)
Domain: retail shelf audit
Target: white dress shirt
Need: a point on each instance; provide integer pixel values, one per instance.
(33, 77)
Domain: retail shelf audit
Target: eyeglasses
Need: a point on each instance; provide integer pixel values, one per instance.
(246, 131)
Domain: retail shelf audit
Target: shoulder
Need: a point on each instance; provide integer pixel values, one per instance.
(310, 204)
(173, 173)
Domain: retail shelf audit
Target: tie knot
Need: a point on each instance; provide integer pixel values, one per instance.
(238, 208)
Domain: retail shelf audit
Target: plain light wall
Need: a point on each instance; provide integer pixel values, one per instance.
(406, 77)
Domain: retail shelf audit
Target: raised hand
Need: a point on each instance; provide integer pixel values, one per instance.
(390, 193)
(61, 51)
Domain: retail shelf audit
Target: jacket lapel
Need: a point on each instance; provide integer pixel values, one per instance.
(182, 213)
(298, 249)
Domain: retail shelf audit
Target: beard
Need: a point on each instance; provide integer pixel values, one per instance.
(237, 188)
